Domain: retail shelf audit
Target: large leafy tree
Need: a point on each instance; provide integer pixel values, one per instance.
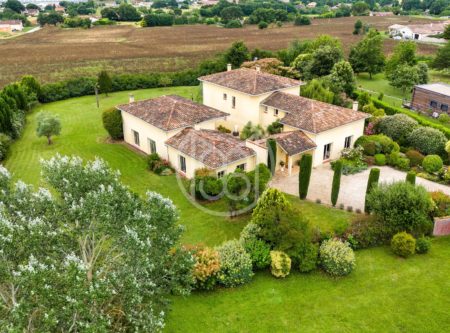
(89, 256)
(342, 78)
(14, 5)
(404, 54)
(404, 77)
(442, 59)
(237, 54)
(367, 55)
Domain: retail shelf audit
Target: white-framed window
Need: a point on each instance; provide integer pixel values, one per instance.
(266, 109)
(136, 137)
(348, 141)
(220, 174)
(224, 97)
(233, 102)
(275, 112)
(326, 151)
(182, 163)
(151, 146)
(242, 166)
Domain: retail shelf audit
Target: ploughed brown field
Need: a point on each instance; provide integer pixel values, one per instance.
(54, 54)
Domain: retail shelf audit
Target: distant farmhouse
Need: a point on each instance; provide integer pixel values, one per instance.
(11, 26)
(419, 32)
(433, 98)
(187, 133)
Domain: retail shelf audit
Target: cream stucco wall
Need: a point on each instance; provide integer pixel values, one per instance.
(267, 115)
(147, 131)
(247, 107)
(192, 164)
(336, 137)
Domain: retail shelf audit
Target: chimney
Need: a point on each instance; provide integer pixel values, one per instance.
(355, 106)
(258, 68)
(228, 67)
(131, 98)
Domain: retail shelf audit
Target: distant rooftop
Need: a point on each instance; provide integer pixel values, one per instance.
(439, 87)
(250, 81)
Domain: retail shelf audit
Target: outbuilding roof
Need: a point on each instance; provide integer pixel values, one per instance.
(439, 87)
(250, 81)
(171, 112)
(212, 148)
(311, 115)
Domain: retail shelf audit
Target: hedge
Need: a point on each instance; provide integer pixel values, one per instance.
(391, 110)
(305, 175)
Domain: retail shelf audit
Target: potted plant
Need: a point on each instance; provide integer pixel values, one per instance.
(282, 165)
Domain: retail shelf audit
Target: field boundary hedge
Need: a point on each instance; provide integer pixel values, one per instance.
(421, 119)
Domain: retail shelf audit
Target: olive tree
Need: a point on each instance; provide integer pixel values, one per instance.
(87, 256)
(48, 125)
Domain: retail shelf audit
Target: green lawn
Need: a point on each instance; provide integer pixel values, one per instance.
(83, 134)
(383, 294)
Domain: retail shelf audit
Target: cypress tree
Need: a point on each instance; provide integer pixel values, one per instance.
(411, 177)
(336, 182)
(304, 175)
(374, 176)
(271, 155)
(104, 82)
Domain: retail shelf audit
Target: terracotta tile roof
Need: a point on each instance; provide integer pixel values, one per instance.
(311, 115)
(212, 148)
(250, 81)
(294, 142)
(171, 112)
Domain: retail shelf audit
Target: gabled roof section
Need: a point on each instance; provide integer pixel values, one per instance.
(311, 115)
(250, 81)
(171, 112)
(212, 148)
(294, 142)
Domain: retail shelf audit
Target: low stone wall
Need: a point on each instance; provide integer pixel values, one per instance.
(441, 226)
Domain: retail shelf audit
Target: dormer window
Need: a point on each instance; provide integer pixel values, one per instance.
(224, 97)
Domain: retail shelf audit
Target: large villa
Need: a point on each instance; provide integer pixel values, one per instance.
(186, 133)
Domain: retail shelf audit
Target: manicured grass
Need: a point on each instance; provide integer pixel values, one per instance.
(383, 294)
(83, 135)
(378, 84)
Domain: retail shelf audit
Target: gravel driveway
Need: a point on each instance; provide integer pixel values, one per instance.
(353, 187)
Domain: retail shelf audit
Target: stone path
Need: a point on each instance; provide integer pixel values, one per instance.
(353, 187)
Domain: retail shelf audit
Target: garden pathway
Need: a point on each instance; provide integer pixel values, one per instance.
(353, 187)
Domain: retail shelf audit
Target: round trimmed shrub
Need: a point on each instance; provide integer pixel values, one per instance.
(423, 245)
(337, 257)
(112, 122)
(444, 118)
(415, 157)
(249, 233)
(280, 266)
(380, 159)
(403, 244)
(428, 140)
(432, 163)
(259, 252)
(308, 258)
(263, 25)
(236, 264)
(397, 127)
